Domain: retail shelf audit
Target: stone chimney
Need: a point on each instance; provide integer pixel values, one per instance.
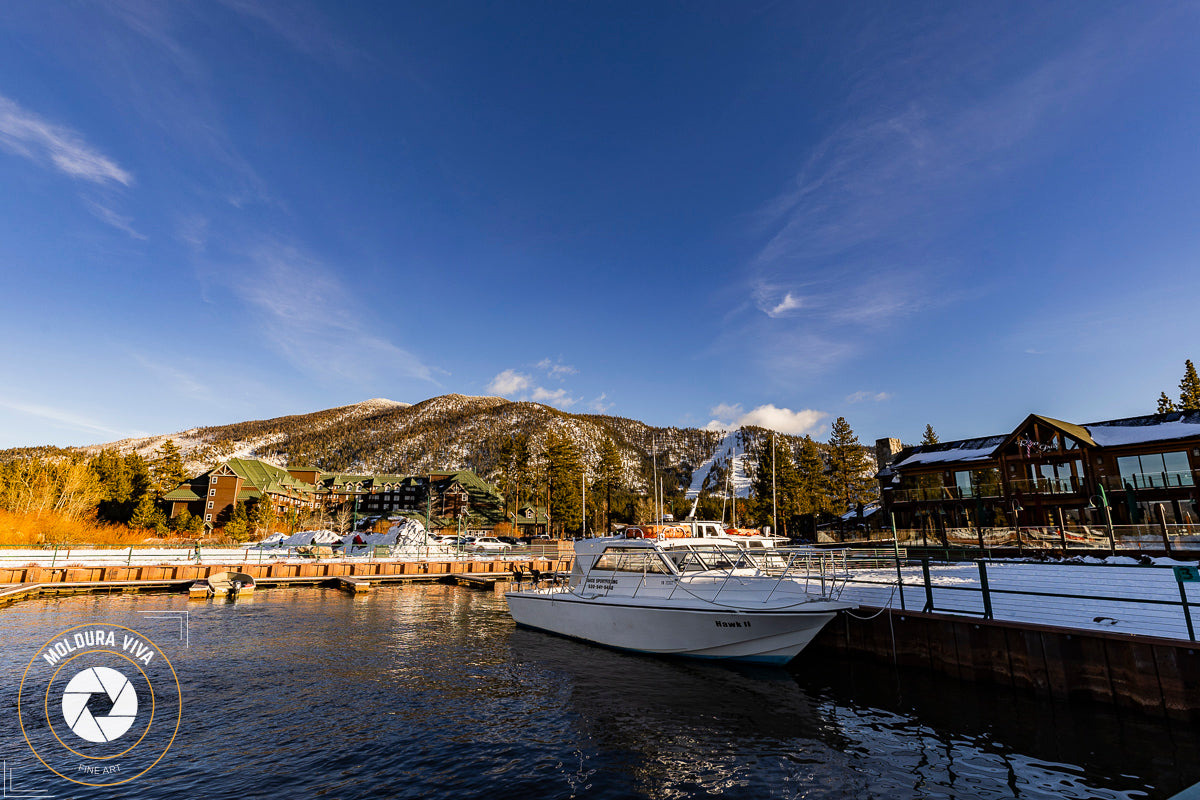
(885, 451)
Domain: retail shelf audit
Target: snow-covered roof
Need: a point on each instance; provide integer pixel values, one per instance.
(1141, 431)
(868, 510)
(975, 453)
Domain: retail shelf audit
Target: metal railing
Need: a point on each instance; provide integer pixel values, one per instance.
(12, 556)
(1157, 537)
(981, 597)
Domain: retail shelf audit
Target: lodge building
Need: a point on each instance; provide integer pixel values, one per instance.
(449, 499)
(1046, 472)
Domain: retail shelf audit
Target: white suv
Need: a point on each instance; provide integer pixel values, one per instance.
(488, 544)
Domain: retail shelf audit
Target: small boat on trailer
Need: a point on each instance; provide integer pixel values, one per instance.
(696, 597)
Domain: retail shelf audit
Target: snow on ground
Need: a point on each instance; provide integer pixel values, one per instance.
(1106, 594)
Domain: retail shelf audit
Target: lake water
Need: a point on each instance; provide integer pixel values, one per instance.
(429, 691)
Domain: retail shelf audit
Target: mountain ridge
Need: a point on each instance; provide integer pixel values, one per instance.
(450, 431)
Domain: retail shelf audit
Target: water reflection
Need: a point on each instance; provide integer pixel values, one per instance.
(429, 691)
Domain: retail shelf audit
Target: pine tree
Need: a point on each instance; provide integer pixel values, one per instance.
(1165, 405)
(147, 515)
(849, 471)
(563, 475)
(608, 477)
(262, 517)
(930, 436)
(167, 468)
(1189, 388)
(776, 483)
(237, 526)
(814, 490)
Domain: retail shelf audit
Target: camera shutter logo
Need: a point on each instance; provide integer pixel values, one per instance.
(99, 680)
(99, 704)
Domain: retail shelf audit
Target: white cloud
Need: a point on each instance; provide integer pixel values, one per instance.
(509, 383)
(788, 303)
(517, 385)
(875, 397)
(28, 135)
(783, 420)
(558, 397)
(727, 410)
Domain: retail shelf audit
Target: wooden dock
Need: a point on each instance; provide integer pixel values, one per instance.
(355, 584)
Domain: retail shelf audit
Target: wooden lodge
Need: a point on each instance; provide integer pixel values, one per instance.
(1046, 472)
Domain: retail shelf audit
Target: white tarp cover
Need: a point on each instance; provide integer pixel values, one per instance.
(311, 537)
(406, 537)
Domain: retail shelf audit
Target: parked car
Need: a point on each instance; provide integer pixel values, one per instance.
(488, 544)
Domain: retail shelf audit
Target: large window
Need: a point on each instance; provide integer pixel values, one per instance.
(1155, 470)
(640, 561)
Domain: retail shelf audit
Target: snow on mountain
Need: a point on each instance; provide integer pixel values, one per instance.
(708, 476)
(462, 432)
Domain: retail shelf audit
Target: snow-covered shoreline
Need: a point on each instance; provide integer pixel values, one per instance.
(1114, 595)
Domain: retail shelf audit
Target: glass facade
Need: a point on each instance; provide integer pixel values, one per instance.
(1156, 470)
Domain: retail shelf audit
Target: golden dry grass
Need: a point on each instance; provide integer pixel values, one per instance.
(33, 530)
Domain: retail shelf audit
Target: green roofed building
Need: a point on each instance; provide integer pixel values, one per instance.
(211, 494)
(458, 500)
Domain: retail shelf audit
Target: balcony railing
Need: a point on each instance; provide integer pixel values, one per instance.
(1150, 480)
(1045, 485)
(942, 493)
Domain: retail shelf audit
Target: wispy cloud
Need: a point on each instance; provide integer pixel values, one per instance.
(68, 419)
(556, 369)
(783, 420)
(24, 133)
(110, 217)
(858, 241)
(299, 24)
(873, 397)
(310, 318)
(599, 405)
(184, 383)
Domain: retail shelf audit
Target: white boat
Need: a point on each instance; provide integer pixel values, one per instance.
(694, 597)
(230, 584)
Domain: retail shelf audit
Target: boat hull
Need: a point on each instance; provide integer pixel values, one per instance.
(770, 637)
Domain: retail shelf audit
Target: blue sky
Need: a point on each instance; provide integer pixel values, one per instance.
(900, 213)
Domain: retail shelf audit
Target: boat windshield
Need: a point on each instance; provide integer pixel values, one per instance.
(639, 560)
(702, 557)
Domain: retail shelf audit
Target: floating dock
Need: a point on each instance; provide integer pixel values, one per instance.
(354, 577)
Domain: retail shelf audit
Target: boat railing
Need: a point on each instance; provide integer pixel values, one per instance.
(829, 569)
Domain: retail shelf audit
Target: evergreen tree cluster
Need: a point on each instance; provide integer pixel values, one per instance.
(1189, 392)
(108, 487)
